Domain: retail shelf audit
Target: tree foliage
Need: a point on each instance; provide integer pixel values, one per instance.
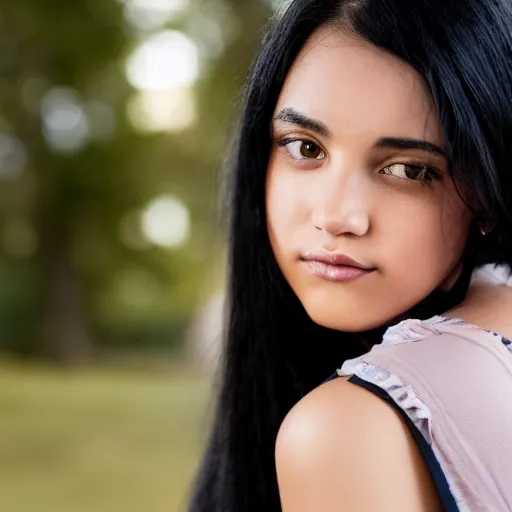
(76, 271)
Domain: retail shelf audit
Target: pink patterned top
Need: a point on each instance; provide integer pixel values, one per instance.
(453, 382)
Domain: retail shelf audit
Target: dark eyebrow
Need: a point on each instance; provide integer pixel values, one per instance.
(399, 143)
(292, 116)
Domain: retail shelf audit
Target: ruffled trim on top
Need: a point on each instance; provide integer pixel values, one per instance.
(411, 329)
(406, 398)
(402, 393)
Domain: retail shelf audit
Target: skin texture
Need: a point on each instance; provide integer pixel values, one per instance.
(412, 232)
(341, 447)
(366, 461)
(487, 306)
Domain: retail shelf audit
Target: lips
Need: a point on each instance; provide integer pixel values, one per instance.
(335, 266)
(335, 258)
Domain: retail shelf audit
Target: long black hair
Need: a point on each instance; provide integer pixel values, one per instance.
(274, 353)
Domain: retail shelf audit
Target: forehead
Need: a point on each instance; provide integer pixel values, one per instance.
(348, 83)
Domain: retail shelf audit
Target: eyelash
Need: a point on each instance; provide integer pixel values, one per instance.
(428, 175)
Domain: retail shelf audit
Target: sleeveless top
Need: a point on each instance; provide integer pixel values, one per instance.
(451, 382)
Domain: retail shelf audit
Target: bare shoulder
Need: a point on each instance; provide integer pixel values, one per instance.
(341, 444)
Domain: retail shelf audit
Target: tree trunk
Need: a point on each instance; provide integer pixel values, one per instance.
(64, 336)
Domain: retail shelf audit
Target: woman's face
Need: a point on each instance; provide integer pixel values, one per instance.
(357, 169)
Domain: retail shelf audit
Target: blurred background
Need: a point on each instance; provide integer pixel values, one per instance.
(115, 117)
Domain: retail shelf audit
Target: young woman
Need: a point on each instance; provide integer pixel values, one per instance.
(372, 182)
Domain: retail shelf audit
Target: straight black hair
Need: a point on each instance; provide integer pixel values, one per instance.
(274, 353)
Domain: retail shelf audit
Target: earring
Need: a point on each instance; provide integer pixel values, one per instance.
(483, 228)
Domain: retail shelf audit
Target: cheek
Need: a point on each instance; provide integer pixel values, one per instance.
(429, 235)
(453, 221)
(287, 210)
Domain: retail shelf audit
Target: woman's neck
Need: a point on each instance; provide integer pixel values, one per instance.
(487, 305)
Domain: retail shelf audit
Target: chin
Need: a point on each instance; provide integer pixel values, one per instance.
(344, 323)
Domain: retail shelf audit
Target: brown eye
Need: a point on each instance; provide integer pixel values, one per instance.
(411, 172)
(304, 150)
(310, 150)
(414, 173)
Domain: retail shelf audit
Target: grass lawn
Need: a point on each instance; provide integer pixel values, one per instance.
(98, 440)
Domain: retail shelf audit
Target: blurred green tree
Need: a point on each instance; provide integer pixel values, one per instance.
(108, 179)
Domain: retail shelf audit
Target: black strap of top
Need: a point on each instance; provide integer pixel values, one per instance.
(441, 484)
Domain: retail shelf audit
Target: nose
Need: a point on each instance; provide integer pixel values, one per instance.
(342, 206)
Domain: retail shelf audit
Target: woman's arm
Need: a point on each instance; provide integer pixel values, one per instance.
(342, 448)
